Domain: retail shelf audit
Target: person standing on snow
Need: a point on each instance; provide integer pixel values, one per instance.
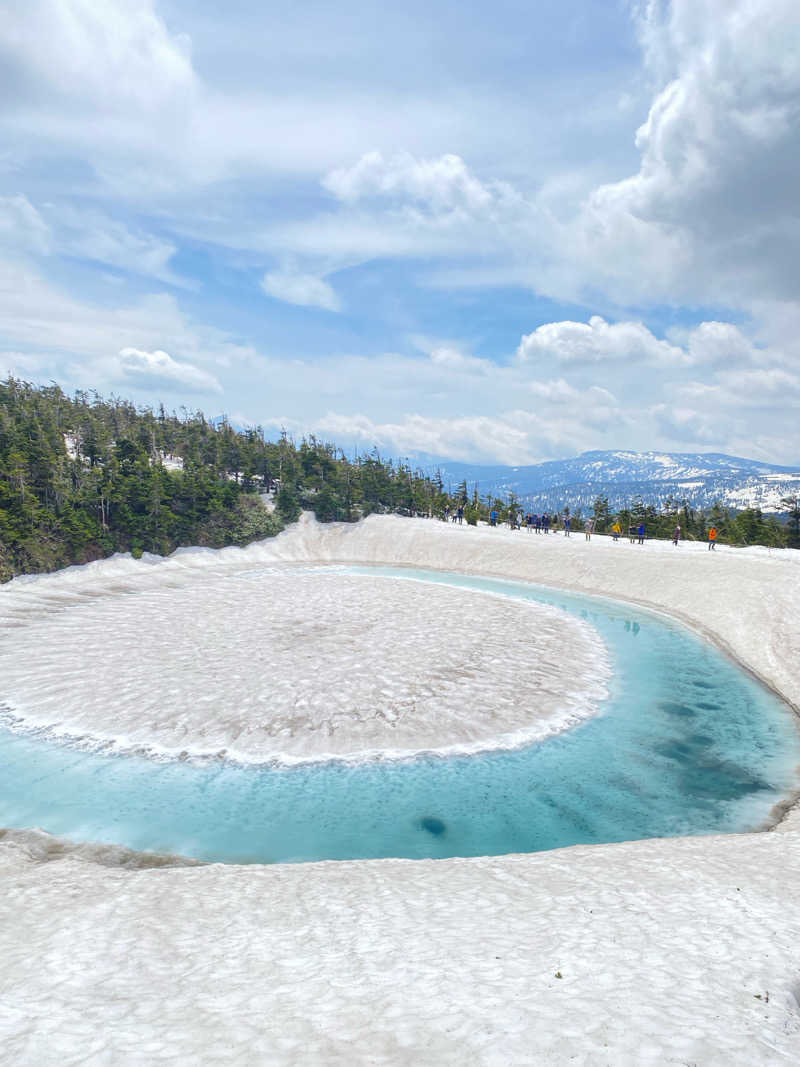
(712, 539)
(640, 533)
(616, 530)
(676, 535)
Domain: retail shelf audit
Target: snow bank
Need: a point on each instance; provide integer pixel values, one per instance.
(649, 953)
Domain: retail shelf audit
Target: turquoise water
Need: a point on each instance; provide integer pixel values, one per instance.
(687, 743)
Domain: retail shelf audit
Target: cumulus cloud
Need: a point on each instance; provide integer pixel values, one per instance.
(712, 212)
(721, 343)
(597, 341)
(160, 368)
(304, 290)
(442, 184)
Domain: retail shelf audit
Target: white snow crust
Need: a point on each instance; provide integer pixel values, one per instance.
(286, 667)
(669, 952)
(679, 951)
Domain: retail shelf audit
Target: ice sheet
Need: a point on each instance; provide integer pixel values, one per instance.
(286, 667)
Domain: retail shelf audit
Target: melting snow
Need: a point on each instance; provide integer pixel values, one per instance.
(653, 952)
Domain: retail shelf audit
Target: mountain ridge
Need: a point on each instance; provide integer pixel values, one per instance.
(701, 479)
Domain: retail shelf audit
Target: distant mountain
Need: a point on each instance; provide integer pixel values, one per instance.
(700, 479)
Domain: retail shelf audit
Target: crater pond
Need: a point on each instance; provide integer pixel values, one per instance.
(686, 743)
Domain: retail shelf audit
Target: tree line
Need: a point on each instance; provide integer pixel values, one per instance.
(82, 477)
(750, 526)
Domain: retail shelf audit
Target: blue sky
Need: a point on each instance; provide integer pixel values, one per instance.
(498, 233)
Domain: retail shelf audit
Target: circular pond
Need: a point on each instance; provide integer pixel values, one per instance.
(683, 742)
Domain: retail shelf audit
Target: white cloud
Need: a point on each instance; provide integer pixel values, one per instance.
(685, 426)
(156, 368)
(502, 438)
(63, 229)
(721, 343)
(442, 184)
(305, 290)
(109, 55)
(597, 341)
(22, 228)
(449, 356)
(53, 335)
(770, 385)
(711, 214)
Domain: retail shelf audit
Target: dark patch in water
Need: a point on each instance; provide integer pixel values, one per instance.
(700, 740)
(432, 825)
(672, 708)
(700, 683)
(676, 750)
(706, 705)
(721, 780)
(688, 749)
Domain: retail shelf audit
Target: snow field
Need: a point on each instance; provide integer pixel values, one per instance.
(286, 667)
(667, 952)
(679, 951)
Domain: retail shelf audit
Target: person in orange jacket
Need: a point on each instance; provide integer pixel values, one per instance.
(712, 539)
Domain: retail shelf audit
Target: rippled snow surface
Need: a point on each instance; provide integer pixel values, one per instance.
(269, 666)
(685, 743)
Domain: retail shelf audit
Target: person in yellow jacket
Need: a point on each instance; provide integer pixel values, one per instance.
(616, 530)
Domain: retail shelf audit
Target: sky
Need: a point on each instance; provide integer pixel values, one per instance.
(496, 233)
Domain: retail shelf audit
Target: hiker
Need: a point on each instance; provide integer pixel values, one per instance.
(460, 514)
(447, 513)
(567, 525)
(676, 535)
(616, 530)
(640, 532)
(493, 517)
(546, 523)
(712, 539)
(529, 521)
(512, 519)
(587, 529)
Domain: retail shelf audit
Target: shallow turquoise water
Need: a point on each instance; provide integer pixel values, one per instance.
(687, 743)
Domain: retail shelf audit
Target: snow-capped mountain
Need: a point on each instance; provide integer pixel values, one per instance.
(699, 479)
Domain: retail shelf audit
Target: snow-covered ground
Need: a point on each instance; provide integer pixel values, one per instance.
(654, 952)
(286, 667)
